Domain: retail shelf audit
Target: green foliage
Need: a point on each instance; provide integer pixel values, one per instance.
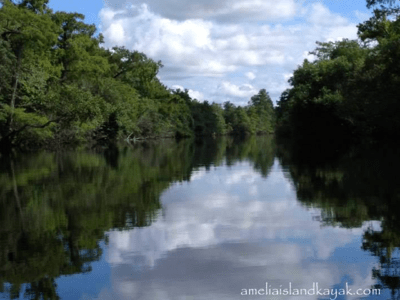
(389, 6)
(7, 59)
(258, 117)
(261, 113)
(59, 86)
(207, 119)
(77, 50)
(351, 90)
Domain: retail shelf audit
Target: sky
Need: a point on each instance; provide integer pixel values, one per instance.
(222, 50)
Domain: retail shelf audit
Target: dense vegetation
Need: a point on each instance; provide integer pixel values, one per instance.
(58, 86)
(350, 91)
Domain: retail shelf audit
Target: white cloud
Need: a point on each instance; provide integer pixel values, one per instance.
(193, 94)
(116, 33)
(224, 10)
(208, 45)
(362, 16)
(308, 56)
(177, 87)
(287, 76)
(232, 90)
(250, 75)
(321, 16)
(196, 95)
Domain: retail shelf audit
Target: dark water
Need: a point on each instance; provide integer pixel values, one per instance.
(214, 219)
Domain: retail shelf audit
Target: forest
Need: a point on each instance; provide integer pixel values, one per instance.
(59, 86)
(350, 92)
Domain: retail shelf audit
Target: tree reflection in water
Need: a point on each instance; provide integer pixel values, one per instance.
(352, 188)
(56, 207)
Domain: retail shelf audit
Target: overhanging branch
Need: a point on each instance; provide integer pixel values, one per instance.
(15, 132)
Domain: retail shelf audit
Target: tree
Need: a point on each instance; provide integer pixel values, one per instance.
(77, 50)
(261, 112)
(138, 70)
(26, 33)
(385, 5)
(324, 100)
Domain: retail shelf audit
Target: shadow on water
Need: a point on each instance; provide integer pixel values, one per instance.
(55, 208)
(351, 188)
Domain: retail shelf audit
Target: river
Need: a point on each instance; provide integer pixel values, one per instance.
(211, 219)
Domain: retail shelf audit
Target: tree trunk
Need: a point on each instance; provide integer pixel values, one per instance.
(18, 53)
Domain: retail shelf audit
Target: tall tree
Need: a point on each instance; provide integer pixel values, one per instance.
(27, 34)
(261, 112)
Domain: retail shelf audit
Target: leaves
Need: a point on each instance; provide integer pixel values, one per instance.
(56, 70)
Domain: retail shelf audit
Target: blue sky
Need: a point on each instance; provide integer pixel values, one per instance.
(222, 49)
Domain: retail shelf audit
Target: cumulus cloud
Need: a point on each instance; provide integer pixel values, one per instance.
(223, 10)
(229, 89)
(287, 76)
(116, 33)
(196, 95)
(219, 46)
(320, 15)
(250, 75)
(193, 94)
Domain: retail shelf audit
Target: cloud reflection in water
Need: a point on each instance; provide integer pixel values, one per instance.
(228, 229)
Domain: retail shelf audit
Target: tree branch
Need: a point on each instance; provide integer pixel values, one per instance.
(14, 132)
(120, 73)
(10, 31)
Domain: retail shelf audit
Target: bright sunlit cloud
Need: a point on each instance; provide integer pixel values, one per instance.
(216, 48)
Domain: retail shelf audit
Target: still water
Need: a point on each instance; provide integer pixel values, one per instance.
(218, 219)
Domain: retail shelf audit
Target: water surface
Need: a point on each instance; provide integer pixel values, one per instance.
(211, 219)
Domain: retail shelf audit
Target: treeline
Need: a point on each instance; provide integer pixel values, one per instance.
(258, 117)
(351, 91)
(58, 86)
